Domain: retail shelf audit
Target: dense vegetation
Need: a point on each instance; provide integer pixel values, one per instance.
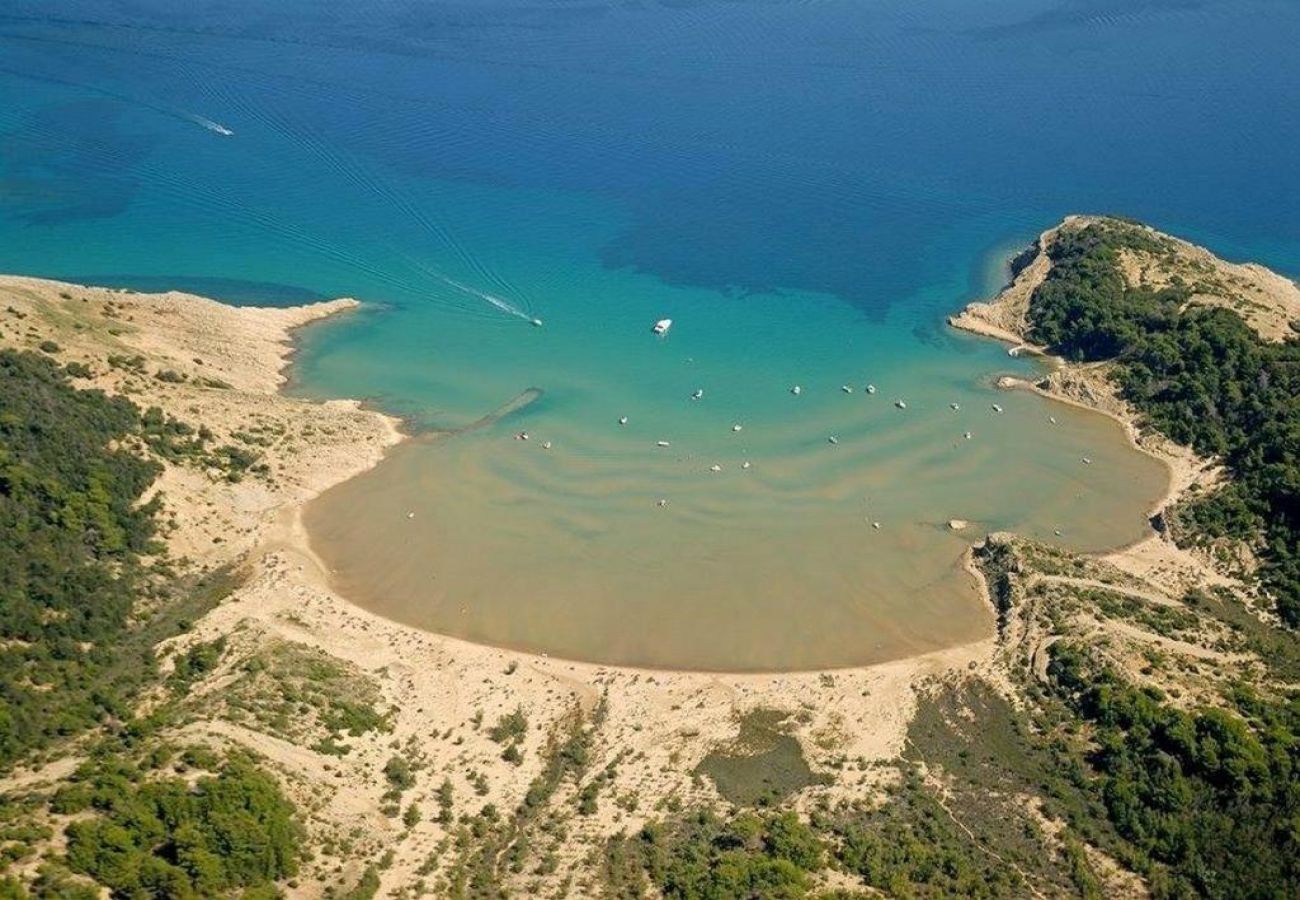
(1212, 795)
(910, 846)
(968, 838)
(146, 820)
(1200, 375)
(161, 834)
(703, 857)
(71, 536)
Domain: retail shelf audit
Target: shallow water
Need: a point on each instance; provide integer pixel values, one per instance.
(805, 188)
(566, 551)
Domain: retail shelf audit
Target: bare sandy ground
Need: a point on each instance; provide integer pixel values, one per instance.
(232, 360)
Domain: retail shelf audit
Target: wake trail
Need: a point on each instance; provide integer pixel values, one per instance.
(185, 192)
(128, 99)
(207, 123)
(343, 162)
(500, 303)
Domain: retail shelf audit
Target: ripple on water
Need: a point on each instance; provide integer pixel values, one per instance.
(775, 567)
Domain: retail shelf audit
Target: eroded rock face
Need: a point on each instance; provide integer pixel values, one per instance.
(1088, 386)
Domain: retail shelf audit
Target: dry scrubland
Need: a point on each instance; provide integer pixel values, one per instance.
(422, 764)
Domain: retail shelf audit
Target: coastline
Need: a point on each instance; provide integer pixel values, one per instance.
(1087, 386)
(1080, 385)
(987, 319)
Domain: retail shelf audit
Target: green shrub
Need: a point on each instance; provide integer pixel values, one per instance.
(510, 727)
(398, 773)
(169, 838)
(1211, 794)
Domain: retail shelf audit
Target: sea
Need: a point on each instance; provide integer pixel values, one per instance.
(519, 190)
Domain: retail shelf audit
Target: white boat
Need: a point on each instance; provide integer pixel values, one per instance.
(900, 404)
(996, 408)
(871, 389)
(622, 420)
(796, 390)
(699, 392)
(715, 468)
(661, 327)
(736, 427)
(846, 389)
(537, 323)
(832, 440)
(955, 406)
(662, 444)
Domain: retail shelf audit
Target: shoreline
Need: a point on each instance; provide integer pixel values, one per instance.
(1132, 430)
(280, 336)
(991, 319)
(1086, 386)
(303, 547)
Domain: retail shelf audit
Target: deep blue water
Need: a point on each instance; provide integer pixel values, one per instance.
(807, 188)
(745, 146)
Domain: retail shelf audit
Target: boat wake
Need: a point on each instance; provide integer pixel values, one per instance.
(500, 303)
(215, 127)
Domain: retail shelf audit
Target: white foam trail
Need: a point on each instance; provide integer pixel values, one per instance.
(210, 125)
(504, 305)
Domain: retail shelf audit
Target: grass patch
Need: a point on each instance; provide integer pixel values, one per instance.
(764, 765)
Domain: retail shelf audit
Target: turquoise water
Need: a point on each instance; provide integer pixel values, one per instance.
(805, 188)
